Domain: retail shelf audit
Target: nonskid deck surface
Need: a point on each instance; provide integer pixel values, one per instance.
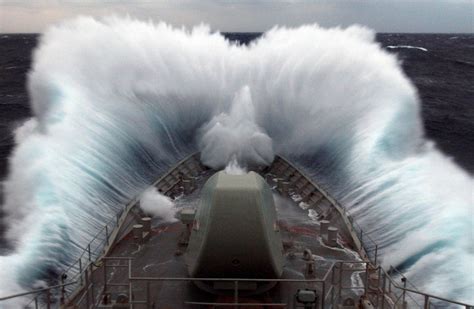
(322, 247)
(163, 256)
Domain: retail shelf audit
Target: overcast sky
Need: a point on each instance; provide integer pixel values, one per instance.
(251, 16)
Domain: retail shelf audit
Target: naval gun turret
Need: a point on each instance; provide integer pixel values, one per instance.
(235, 233)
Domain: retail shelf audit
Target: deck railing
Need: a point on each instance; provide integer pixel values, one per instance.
(366, 245)
(368, 249)
(387, 287)
(324, 284)
(331, 287)
(72, 278)
(332, 291)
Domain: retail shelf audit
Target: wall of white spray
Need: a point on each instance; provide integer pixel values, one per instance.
(118, 101)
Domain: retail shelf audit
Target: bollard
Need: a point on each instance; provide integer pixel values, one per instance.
(323, 228)
(187, 185)
(366, 304)
(138, 233)
(307, 255)
(332, 236)
(306, 198)
(348, 303)
(269, 178)
(279, 182)
(285, 187)
(373, 281)
(146, 222)
(310, 269)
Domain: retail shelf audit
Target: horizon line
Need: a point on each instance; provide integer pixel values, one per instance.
(261, 32)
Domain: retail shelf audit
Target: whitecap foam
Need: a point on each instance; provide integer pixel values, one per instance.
(407, 46)
(118, 101)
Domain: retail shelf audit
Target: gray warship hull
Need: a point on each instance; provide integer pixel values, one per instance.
(142, 261)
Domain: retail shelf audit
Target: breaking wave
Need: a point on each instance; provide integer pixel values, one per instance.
(116, 102)
(407, 47)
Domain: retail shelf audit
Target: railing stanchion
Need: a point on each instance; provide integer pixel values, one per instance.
(379, 277)
(106, 235)
(105, 277)
(130, 298)
(389, 280)
(323, 297)
(86, 277)
(92, 284)
(366, 278)
(80, 269)
(427, 302)
(333, 282)
(63, 290)
(329, 289)
(384, 278)
(48, 299)
(333, 272)
(341, 265)
(376, 253)
(404, 280)
(236, 293)
(148, 303)
(333, 295)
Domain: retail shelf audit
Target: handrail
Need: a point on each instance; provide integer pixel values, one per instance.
(344, 215)
(435, 297)
(37, 291)
(114, 224)
(405, 289)
(335, 266)
(321, 280)
(235, 281)
(120, 218)
(130, 205)
(402, 275)
(347, 219)
(360, 244)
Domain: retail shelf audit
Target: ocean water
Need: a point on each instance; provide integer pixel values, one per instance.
(385, 122)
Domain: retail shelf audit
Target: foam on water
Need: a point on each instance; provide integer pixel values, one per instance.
(408, 47)
(116, 102)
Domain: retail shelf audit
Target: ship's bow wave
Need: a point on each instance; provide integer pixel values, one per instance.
(118, 101)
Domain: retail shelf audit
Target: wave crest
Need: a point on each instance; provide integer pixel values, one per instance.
(116, 102)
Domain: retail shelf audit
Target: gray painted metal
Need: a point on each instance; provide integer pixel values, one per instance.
(154, 283)
(235, 232)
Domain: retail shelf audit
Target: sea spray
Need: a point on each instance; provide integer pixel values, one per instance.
(118, 101)
(233, 168)
(158, 205)
(235, 136)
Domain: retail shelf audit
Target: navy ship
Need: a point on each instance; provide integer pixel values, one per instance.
(241, 240)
